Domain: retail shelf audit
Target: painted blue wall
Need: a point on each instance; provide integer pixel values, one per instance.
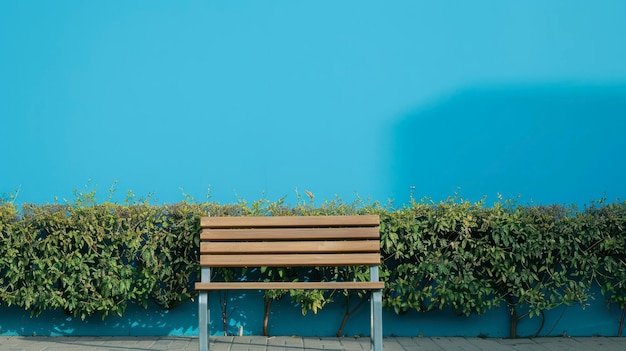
(255, 99)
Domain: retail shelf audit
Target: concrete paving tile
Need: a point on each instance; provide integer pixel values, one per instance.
(455, 344)
(405, 341)
(521, 341)
(285, 343)
(392, 344)
(522, 344)
(249, 343)
(220, 343)
(276, 344)
(313, 343)
(293, 342)
(559, 344)
(331, 344)
(8, 341)
(584, 344)
(488, 344)
(418, 344)
(356, 344)
(169, 344)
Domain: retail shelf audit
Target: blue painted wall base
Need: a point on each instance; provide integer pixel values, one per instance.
(245, 310)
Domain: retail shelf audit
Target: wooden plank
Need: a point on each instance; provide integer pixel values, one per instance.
(290, 221)
(291, 233)
(290, 285)
(290, 260)
(278, 247)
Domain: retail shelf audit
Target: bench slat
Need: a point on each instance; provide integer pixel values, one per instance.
(279, 247)
(291, 233)
(289, 221)
(290, 285)
(290, 260)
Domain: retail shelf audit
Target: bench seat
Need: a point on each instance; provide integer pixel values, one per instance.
(290, 285)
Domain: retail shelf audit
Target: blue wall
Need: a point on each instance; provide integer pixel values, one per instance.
(254, 99)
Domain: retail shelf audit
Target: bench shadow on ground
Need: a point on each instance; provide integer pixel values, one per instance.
(549, 143)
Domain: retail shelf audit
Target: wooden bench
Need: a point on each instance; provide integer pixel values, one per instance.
(297, 241)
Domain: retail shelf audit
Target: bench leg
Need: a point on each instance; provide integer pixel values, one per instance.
(203, 321)
(376, 309)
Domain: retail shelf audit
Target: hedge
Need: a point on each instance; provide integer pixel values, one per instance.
(87, 257)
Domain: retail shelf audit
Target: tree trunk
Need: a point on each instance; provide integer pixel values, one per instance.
(224, 308)
(348, 313)
(266, 315)
(514, 318)
(621, 322)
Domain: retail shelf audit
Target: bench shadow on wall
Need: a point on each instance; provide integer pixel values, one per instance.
(547, 143)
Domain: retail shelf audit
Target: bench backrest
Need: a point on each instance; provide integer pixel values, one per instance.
(290, 241)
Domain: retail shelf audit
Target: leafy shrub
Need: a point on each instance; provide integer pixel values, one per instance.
(87, 258)
(606, 245)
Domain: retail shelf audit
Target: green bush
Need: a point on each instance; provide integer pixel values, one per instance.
(605, 245)
(430, 259)
(88, 258)
(470, 258)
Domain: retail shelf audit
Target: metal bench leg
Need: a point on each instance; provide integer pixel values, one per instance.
(203, 312)
(376, 314)
(203, 321)
(377, 320)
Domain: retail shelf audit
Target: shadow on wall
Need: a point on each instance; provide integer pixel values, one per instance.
(547, 144)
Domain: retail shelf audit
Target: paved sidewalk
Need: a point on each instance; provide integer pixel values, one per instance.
(258, 343)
